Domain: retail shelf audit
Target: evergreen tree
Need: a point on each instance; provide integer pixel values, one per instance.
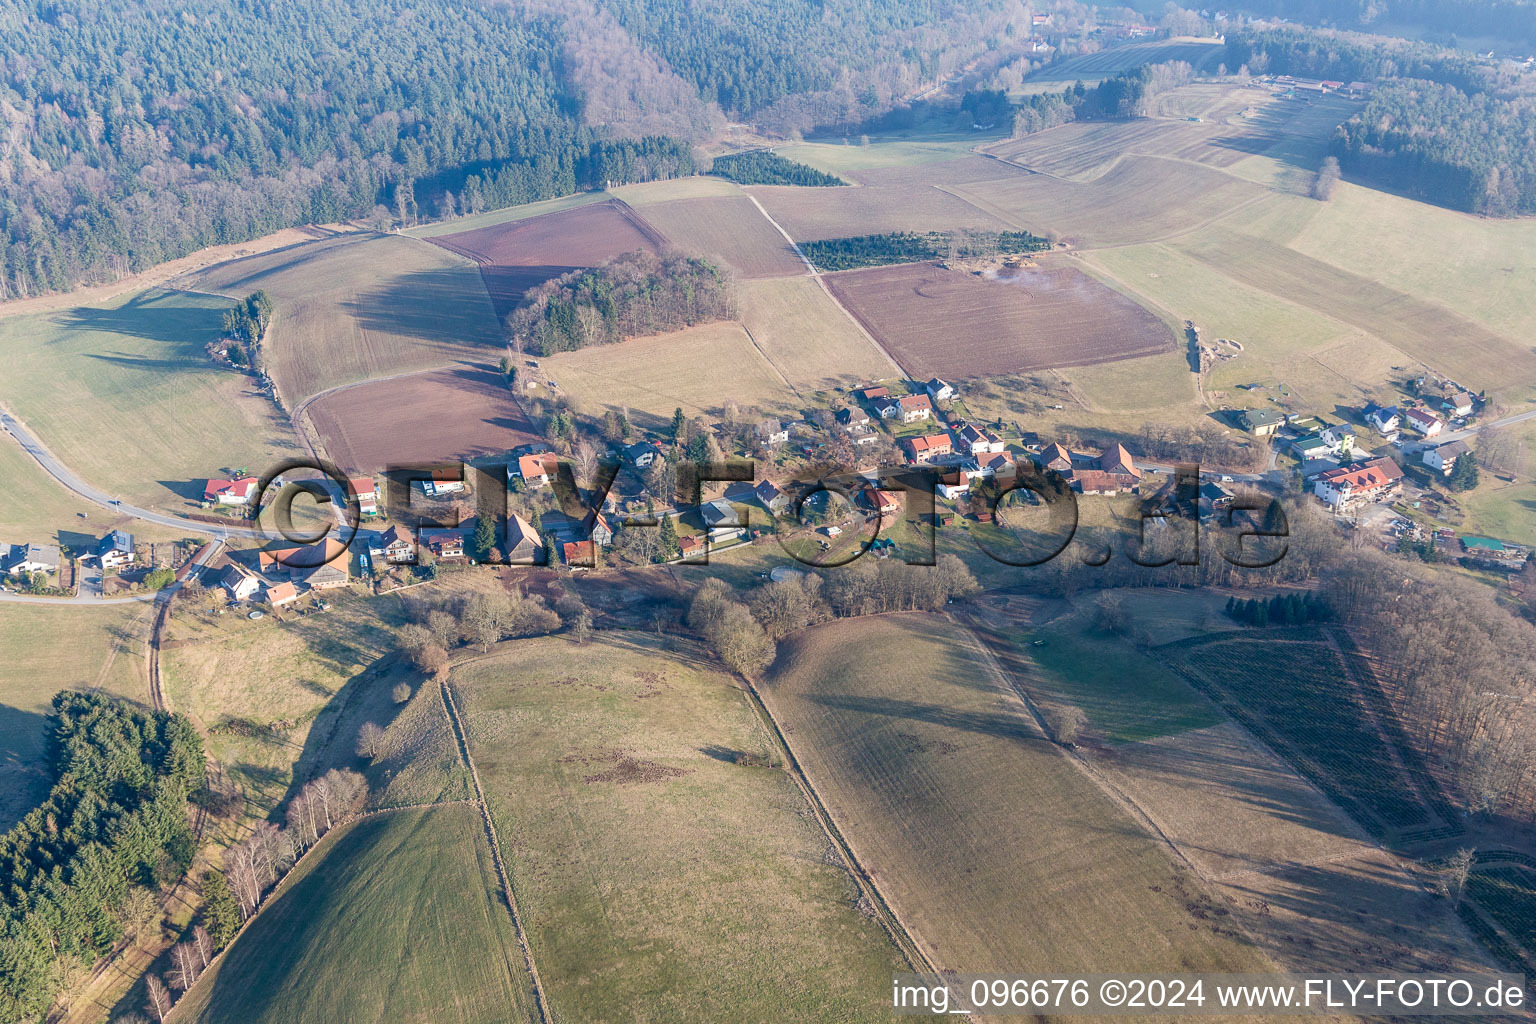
(220, 913)
(484, 540)
(679, 425)
(1464, 472)
(668, 548)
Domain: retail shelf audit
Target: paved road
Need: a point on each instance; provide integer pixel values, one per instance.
(65, 476)
(1461, 435)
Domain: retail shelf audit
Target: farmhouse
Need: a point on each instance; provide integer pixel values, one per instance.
(926, 449)
(1117, 460)
(442, 482)
(1458, 404)
(771, 432)
(283, 593)
(980, 442)
(239, 491)
(1425, 422)
(239, 582)
(883, 502)
(297, 561)
(1349, 487)
(445, 544)
(940, 390)
(523, 542)
(1055, 458)
(770, 497)
(1442, 457)
(641, 454)
(327, 577)
(534, 469)
(915, 407)
(115, 549)
(362, 488)
(32, 558)
(397, 545)
(1260, 422)
(852, 418)
(1096, 481)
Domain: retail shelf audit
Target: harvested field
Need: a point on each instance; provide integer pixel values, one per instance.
(462, 412)
(730, 229)
(1084, 150)
(952, 323)
(700, 186)
(353, 308)
(660, 860)
(519, 255)
(1110, 62)
(505, 215)
(811, 213)
(694, 369)
(803, 333)
(988, 842)
(1140, 199)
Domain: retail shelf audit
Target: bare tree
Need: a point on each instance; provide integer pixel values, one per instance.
(301, 820)
(204, 943)
(1453, 878)
(138, 910)
(157, 998)
(401, 693)
(443, 627)
(1068, 724)
(186, 965)
(369, 738)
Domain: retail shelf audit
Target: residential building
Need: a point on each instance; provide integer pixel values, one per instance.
(883, 502)
(852, 418)
(1349, 487)
(535, 469)
(443, 482)
(445, 544)
(887, 408)
(998, 465)
(641, 454)
(598, 530)
(771, 432)
(398, 546)
(580, 553)
(299, 560)
(32, 558)
(915, 408)
(1213, 498)
(926, 449)
(1459, 404)
(283, 593)
(1424, 421)
(240, 491)
(1055, 458)
(239, 582)
(771, 498)
(978, 441)
(1385, 420)
(1096, 481)
(1312, 447)
(115, 550)
(363, 490)
(954, 485)
(1442, 457)
(874, 394)
(1116, 460)
(1260, 422)
(863, 436)
(692, 546)
(939, 390)
(524, 545)
(719, 514)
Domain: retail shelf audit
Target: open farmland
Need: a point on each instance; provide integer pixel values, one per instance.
(659, 862)
(989, 844)
(694, 369)
(1084, 150)
(1106, 63)
(39, 509)
(1140, 199)
(397, 918)
(125, 395)
(942, 322)
(807, 337)
(461, 412)
(810, 213)
(47, 649)
(517, 255)
(729, 229)
(350, 309)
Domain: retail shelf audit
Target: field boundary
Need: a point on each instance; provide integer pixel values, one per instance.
(451, 711)
(903, 939)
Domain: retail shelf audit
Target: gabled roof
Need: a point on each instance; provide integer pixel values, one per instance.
(1451, 449)
(717, 512)
(930, 442)
(532, 465)
(1055, 452)
(303, 556)
(519, 531)
(1260, 417)
(282, 592)
(911, 402)
(361, 486)
(116, 540)
(870, 394)
(766, 491)
(1423, 416)
(241, 487)
(1117, 460)
(579, 551)
(1368, 476)
(394, 535)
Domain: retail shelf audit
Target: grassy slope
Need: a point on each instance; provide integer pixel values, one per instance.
(654, 874)
(38, 508)
(804, 333)
(352, 309)
(125, 395)
(991, 846)
(506, 215)
(44, 650)
(399, 920)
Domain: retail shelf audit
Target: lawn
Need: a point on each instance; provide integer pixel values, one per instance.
(124, 394)
(988, 843)
(39, 509)
(47, 649)
(397, 919)
(505, 215)
(352, 309)
(840, 157)
(658, 862)
(1506, 511)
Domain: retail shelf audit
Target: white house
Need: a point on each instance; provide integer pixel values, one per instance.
(1459, 404)
(239, 582)
(442, 482)
(1425, 422)
(239, 491)
(32, 558)
(772, 432)
(1442, 458)
(115, 549)
(1349, 486)
(980, 442)
(363, 489)
(914, 408)
(534, 470)
(940, 390)
(1384, 420)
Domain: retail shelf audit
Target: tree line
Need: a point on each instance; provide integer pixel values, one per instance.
(113, 830)
(1348, 58)
(1280, 610)
(765, 167)
(1511, 20)
(916, 247)
(630, 296)
(1128, 94)
(245, 325)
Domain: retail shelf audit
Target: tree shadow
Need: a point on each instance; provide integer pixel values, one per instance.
(25, 777)
(448, 305)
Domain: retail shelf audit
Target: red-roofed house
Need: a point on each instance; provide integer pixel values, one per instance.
(1117, 460)
(239, 491)
(691, 547)
(874, 394)
(362, 488)
(283, 593)
(579, 553)
(1350, 486)
(535, 469)
(884, 502)
(1424, 421)
(1096, 481)
(926, 449)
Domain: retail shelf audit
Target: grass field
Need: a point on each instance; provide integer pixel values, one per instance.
(505, 215)
(397, 920)
(989, 844)
(731, 230)
(125, 395)
(256, 688)
(356, 308)
(652, 869)
(809, 214)
(945, 322)
(40, 509)
(848, 159)
(44, 650)
(700, 186)
(804, 334)
(694, 369)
